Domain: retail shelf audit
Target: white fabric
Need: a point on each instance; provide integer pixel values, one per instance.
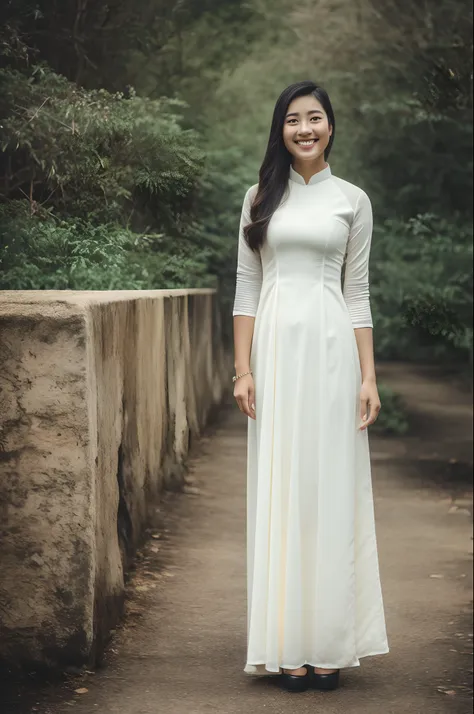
(314, 592)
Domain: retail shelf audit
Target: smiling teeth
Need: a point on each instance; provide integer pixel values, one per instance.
(306, 143)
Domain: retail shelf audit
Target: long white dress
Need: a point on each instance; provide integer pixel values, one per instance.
(314, 592)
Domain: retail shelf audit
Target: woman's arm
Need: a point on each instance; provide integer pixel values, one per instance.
(356, 296)
(247, 295)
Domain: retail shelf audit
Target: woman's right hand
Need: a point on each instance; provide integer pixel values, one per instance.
(244, 393)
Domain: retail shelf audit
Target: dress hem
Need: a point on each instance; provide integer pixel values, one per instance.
(311, 664)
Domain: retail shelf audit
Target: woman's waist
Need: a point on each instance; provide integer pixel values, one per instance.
(303, 282)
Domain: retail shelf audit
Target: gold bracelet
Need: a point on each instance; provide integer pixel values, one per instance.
(238, 376)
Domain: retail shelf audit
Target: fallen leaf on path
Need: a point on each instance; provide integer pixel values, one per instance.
(81, 690)
(443, 690)
(460, 510)
(192, 490)
(156, 536)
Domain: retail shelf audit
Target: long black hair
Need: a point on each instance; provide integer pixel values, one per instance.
(275, 168)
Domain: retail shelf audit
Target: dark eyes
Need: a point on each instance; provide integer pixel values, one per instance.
(315, 117)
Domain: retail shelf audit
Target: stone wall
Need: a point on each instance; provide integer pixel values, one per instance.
(101, 394)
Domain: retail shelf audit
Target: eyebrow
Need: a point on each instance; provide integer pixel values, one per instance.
(311, 111)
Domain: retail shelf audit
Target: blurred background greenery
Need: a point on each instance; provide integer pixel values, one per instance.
(131, 130)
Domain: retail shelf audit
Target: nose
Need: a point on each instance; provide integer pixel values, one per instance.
(305, 128)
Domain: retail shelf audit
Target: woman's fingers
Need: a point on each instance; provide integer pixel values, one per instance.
(364, 408)
(252, 403)
(246, 402)
(374, 412)
(242, 401)
(369, 413)
(247, 405)
(241, 404)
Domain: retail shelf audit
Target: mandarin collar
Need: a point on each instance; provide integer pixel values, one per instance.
(315, 178)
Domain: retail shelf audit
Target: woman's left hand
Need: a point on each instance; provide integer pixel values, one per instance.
(369, 404)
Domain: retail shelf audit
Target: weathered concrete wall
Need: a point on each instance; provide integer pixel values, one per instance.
(101, 394)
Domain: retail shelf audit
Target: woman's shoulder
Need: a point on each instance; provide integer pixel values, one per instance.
(352, 191)
(251, 192)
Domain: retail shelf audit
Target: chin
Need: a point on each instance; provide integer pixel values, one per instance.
(311, 157)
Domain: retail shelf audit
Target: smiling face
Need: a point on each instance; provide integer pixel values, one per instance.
(306, 129)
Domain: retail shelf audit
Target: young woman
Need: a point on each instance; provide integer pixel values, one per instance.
(305, 377)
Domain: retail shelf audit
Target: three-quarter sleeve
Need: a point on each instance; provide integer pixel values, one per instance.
(249, 267)
(356, 278)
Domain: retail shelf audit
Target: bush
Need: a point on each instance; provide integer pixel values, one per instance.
(421, 286)
(99, 189)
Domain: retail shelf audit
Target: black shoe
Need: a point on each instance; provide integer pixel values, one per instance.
(325, 681)
(295, 682)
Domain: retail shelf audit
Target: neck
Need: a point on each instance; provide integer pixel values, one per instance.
(308, 168)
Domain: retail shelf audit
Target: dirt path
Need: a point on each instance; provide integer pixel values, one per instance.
(181, 647)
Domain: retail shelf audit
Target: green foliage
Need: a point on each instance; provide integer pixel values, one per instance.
(41, 252)
(90, 171)
(91, 152)
(47, 253)
(421, 286)
(118, 173)
(427, 164)
(157, 261)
